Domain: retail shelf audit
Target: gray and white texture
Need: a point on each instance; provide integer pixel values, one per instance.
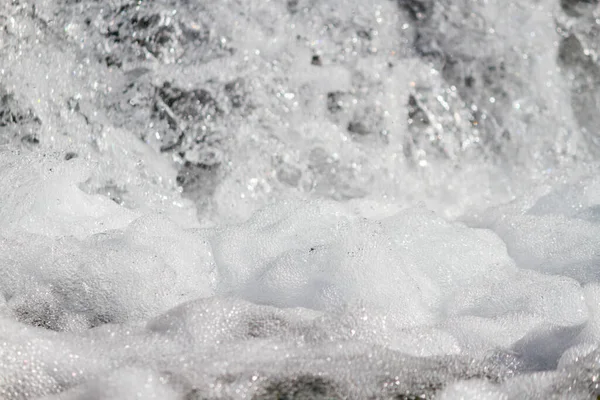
(301, 199)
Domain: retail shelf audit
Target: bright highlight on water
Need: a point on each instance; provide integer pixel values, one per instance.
(302, 199)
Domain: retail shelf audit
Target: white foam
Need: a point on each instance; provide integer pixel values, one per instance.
(324, 259)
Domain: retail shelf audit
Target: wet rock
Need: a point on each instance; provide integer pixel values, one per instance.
(577, 8)
(358, 127)
(233, 90)
(194, 394)
(426, 131)
(303, 387)
(201, 179)
(148, 32)
(292, 6)
(70, 155)
(454, 38)
(73, 104)
(189, 105)
(416, 114)
(236, 92)
(364, 34)
(585, 93)
(428, 47)
(418, 10)
(30, 139)
(571, 53)
(366, 121)
(112, 60)
(336, 102)
(100, 319)
(189, 114)
(11, 113)
(17, 122)
(432, 378)
(424, 392)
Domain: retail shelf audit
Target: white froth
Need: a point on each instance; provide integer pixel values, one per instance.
(344, 215)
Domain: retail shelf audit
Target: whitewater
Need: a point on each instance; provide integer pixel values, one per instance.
(301, 199)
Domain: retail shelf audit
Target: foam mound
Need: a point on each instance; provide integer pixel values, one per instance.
(304, 299)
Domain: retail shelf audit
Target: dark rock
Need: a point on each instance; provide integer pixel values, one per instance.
(201, 179)
(364, 34)
(418, 10)
(73, 104)
(193, 394)
(366, 120)
(112, 60)
(316, 60)
(236, 93)
(469, 81)
(358, 127)
(100, 319)
(303, 387)
(426, 392)
(423, 135)
(12, 114)
(70, 155)
(292, 6)
(577, 8)
(156, 35)
(493, 75)
(416, 114)
(570, 51)
(431, 378)
(189, 114)
(335, 102)
(426, 45)
(189, 105)
(30, 139)
(584, 75)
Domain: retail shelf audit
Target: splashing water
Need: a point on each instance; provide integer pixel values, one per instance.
(302, 199)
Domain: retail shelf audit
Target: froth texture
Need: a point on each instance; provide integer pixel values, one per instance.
(301, 199)
(305, 297)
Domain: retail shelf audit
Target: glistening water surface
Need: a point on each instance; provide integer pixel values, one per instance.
(301, 199)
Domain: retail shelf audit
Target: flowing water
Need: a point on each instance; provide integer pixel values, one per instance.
(301, 199)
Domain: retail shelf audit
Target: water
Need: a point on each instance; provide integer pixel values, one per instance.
(301, 199)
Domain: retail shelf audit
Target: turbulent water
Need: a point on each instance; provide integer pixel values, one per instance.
(301, 199)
